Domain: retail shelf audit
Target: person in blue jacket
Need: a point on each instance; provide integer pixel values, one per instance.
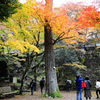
(79, 81)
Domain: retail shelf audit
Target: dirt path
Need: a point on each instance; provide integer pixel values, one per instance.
(37, 96)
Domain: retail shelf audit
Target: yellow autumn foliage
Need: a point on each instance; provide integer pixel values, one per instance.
(22, 46)
(20, 25)
(76, 64)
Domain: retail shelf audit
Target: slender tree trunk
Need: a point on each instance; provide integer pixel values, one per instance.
(22, 82)
(27, 67)
(35, 76)
(51, 79)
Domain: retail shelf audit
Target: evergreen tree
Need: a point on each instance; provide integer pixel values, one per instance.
(8, 7)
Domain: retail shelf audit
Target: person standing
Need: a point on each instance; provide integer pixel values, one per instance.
(42, 82)
(32, 86)
(87, 89)
(97, 88)
(78, 87)
(68, 86)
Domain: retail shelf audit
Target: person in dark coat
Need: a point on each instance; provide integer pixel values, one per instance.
(87, 90)
(68, 86)
(42, 82)
(32, 86)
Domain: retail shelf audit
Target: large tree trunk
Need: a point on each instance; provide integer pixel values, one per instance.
(51, 79)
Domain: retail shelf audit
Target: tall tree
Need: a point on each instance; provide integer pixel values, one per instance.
(51, 79)
(64, 29)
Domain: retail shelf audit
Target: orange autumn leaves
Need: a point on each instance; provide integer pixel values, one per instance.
(59, 22)
(33, 22)
(90, 17)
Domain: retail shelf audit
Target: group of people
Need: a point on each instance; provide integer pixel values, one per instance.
(33, 85)
(86, 87)
(80, 87)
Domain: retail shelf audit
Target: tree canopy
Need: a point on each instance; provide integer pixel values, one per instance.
(7, 8)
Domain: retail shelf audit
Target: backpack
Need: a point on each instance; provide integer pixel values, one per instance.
(83, 84)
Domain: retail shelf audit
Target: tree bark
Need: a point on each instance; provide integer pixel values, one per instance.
(27, 67)
(22, 82)
(51, 79)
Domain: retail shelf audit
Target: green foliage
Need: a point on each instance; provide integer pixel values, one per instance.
(54, 95)
(67, 64)
(64, 56)
(82, 60)
(57, 94)
(2, 58)
(8, 7)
